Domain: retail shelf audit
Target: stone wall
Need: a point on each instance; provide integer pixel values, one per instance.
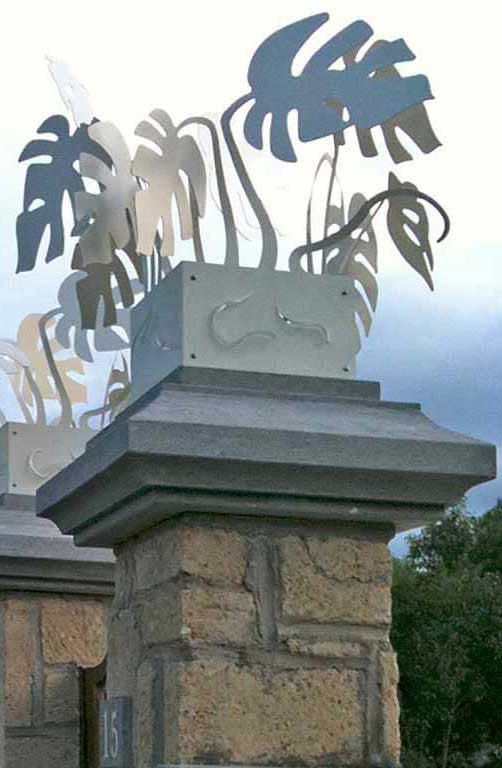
(45, 639)
(256, 643)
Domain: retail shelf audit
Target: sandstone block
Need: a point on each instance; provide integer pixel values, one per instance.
(73, 631)
(343, 559)
(61, 695)
(218, 616)
(309, 594)
(389, 678)
(20, 656)
(251, 715)
(217, 556)
(326, 648)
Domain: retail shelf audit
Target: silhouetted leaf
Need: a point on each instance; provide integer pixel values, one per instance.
(46, 185)
(322, 94)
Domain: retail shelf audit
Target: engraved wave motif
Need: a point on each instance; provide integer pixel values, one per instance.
(236, 342)
(305, 326)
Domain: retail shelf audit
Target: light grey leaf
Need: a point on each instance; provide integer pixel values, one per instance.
(168, 174)
(352, 254)
(410, 234)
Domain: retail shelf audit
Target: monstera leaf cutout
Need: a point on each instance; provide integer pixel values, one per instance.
(319, 88)
(106, 223)
(350, 255)
(107, 220)
(15, 364)
(166, 176)
(117, 394)
(105, 339)
(410, 233)
(414, 121)
(29, 342)
(118, 389)
(46, 185)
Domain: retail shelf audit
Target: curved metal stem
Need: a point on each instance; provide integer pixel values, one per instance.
(66, 410)
(194, 213)
(37, 396)
(358, 219)
(334, 162)
(232, 246)
(269, 240)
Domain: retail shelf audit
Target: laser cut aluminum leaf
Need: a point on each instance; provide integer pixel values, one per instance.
(369, 100)
(104, 339)
(46, 185)
(166, 186)
(414, 121)
(410, 234)
(16, 365)
(73, 93)
(350, 253)
(30, 342)
(106, 220)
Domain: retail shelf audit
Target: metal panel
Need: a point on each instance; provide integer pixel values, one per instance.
(246, 320)
(36, 453)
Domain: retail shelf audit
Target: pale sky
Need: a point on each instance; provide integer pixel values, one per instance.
(442, 349)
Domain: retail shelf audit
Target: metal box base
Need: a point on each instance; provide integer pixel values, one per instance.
(242, 319)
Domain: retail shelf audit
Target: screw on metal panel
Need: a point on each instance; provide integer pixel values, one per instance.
(345, 293)
(193, 277)
(193, 356)
(346, 368)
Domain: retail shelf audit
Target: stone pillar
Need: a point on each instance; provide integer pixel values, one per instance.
(54, 602)
(250, 516)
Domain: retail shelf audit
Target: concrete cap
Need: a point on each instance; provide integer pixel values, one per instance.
(263, 444)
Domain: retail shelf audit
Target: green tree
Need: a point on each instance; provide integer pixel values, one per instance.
(447, 630)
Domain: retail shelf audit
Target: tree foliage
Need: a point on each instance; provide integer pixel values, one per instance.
(447, 630)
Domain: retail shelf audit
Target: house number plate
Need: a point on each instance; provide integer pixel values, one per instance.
(115, 731)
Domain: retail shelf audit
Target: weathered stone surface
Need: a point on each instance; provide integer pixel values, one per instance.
(159, 616)
(218, 616)
(125, 572)
(20, 657)
(346, 558)
(47, 751)
(217, 556)
(144, 716)
(124, 643)
(73, 631)
(308, 594)
(235, 714)
(157, 558)
(389, 678)
(325, 648)
(61, 695)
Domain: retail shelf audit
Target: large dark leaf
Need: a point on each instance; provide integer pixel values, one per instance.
(410, 233)
(321, 94)
(46, 185)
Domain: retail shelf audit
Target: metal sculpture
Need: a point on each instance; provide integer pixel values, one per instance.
(123, 207)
